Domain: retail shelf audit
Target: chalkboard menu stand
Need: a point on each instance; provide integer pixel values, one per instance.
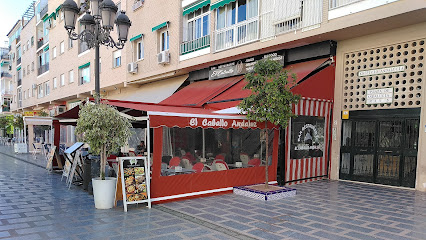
(135, 180)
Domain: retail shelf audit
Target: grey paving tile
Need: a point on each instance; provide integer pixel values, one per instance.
(266, 227)
(4, 234)
(362, 236)
(386, 228)
(355, 227)
(198, 232)
(301, 228)
(330, 236)
(211, 217)
(327, 228)
(390, 236)
(264, 235)
(236, 225)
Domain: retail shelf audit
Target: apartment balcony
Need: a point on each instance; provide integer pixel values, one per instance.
(42, 41)
(5, 57)
(19, 82)
(43, 11)
(6, 92)
(289, 16)
(195, 45)
(43, 68)
(340, 3)
(18, 61)
(236, 35)
(5, 75)
(18, 39)
(5, 109)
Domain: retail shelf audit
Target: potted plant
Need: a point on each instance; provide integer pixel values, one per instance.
(105, 130)
(271, 99)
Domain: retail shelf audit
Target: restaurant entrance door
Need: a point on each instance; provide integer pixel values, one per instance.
(380, 147)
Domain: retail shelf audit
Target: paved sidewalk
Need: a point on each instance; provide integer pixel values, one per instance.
(37, 159)
(35, 204)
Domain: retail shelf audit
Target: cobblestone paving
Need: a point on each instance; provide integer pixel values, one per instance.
(36, 205)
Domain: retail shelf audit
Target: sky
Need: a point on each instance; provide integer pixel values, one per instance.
(10, 12)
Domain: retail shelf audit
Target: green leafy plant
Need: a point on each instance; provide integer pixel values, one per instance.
(43, 114)
(18, 122)
(103, 128)
(271, 99)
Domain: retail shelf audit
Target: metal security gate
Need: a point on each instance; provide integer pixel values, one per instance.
(380, 147)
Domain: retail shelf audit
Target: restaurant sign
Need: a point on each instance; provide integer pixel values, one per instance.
(378, 96)
(221, 123)
(243, 66)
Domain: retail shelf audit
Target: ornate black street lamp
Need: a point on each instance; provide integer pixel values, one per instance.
(96, 27)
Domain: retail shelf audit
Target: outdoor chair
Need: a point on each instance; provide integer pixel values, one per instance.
(254, 162)
(220, 165)
(174, 162)
(198, 167)
(37, 149)
(244, 157)
(186, 163)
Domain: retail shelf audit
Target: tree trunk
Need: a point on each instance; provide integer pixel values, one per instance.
(103, 162)
(266, 156)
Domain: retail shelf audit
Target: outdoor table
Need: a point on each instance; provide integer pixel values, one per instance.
(174, 172)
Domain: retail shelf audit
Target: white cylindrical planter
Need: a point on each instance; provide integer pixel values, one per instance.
(104, 192)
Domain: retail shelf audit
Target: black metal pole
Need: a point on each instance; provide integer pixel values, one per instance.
(97, 82)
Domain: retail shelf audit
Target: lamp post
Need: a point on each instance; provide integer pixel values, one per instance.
(96, 27)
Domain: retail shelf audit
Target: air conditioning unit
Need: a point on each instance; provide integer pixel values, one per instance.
(163, 57)
(34, 86)
(61, 109)
(132, 67)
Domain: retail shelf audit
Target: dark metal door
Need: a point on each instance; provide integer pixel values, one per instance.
(380, 151)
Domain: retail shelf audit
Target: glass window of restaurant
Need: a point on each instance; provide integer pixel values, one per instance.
(195, 150)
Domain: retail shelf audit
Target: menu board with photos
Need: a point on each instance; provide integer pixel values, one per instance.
(135, 177)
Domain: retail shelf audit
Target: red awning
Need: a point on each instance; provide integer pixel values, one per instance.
(198, 93)
(231, 97)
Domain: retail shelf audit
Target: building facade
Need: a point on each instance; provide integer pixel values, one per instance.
(375, 47)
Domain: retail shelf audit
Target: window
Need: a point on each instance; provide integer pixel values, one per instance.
(62, 80)
(62, 47)
(71, 76)
(32, 41)
(198, 24)
(29, 93)
(236, 12)
(164, 41)
(47, 88)
(28, 44)
(117, 58)
(55, 83)
(54, 52)
(28, 69)
(70, 43)
(25, 95)
(218, 149)
(83, 45)
(32, 66)
(19, 97)
(84, 75)
(139, 50)
(61, 15)
(40, 91)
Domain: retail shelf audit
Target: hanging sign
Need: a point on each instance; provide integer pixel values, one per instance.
(135, 180)
(243, 66)
(381, 95)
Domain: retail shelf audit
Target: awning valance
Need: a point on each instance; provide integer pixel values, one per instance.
(4, 63)
(45, 17)
(195, 7)
(19, 68)
(46, 48)
(58, 9)
(45, 121)
(84, 65)
(160, 26)
(220, 3)
(136, 37)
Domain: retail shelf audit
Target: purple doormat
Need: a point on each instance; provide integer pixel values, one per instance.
(275, 193)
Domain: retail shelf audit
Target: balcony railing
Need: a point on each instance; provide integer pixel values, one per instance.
(5, 56)
(5, 109)
(18, 61)
(237, 34)
(5, 75)
(6, 91)
(340, 3)
(19, 82)
(194, 45)
(39, 43)
(44, 68)
(287, 16)
(18, 39)
(43, 11)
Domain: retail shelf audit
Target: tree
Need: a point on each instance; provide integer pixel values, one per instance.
(103, 128)
(18, 122)
(271, 99)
